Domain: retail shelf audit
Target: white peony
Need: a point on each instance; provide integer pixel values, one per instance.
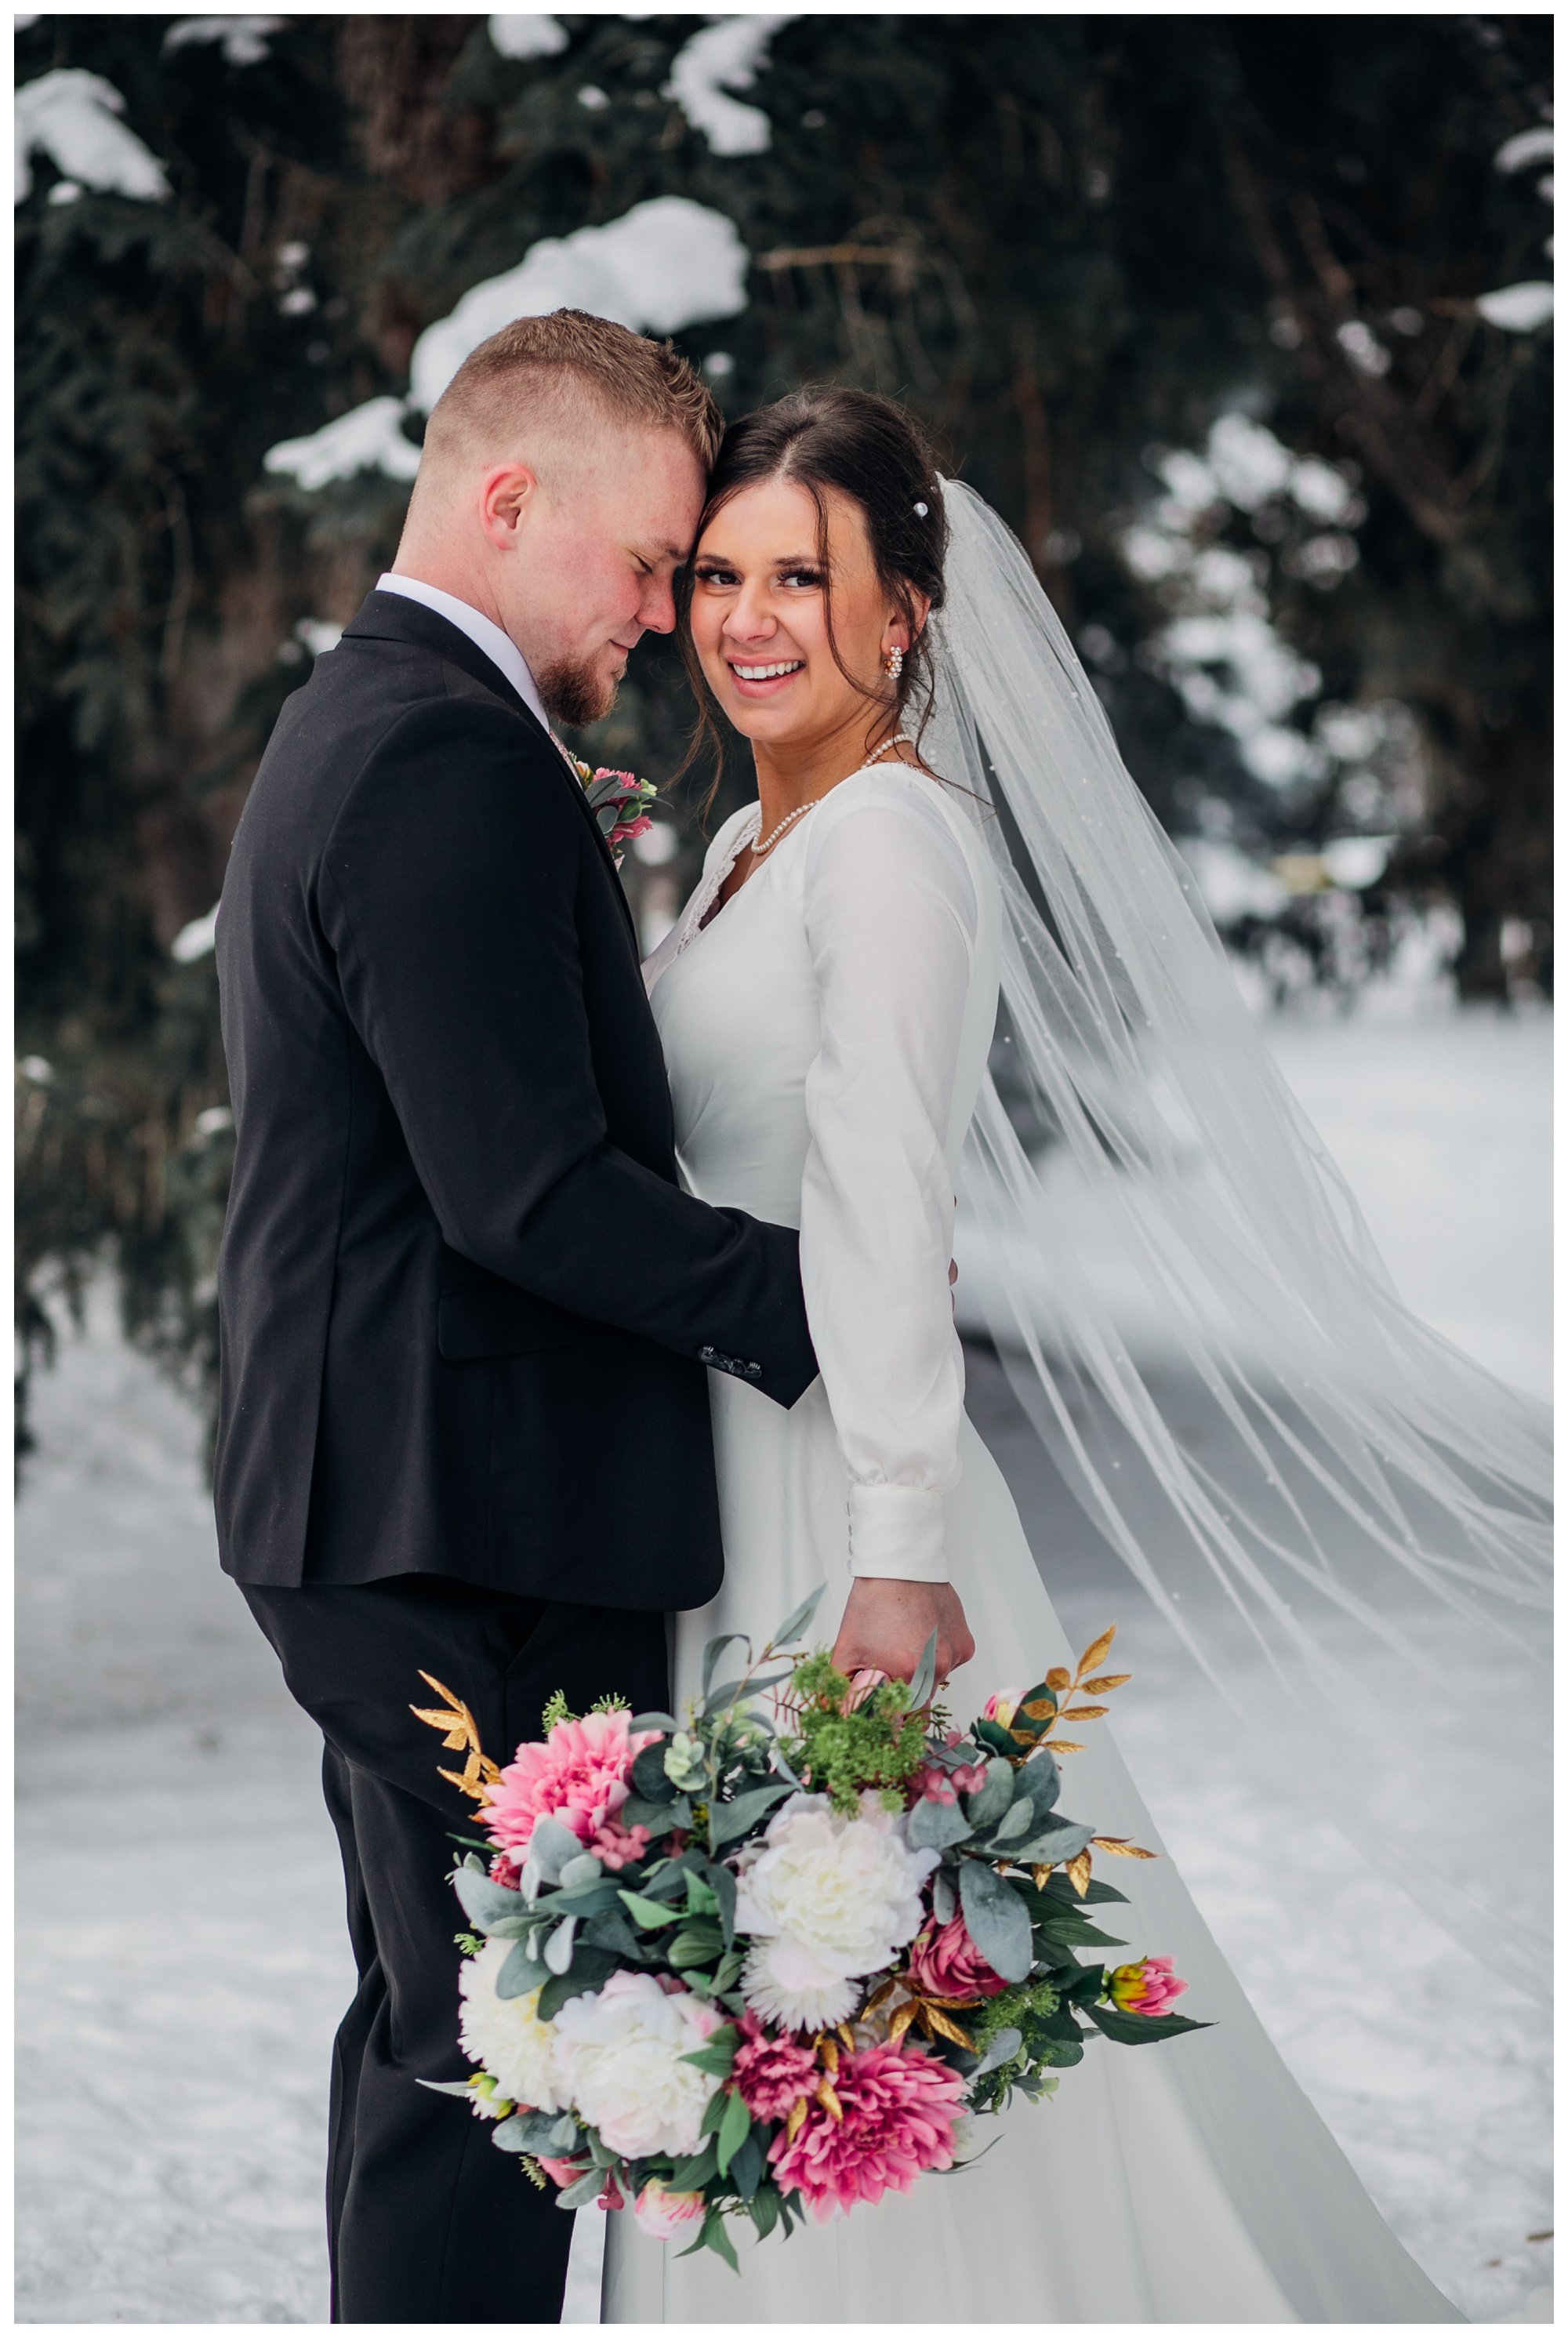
(618, 2056)
(505, 2034)
(828, 1897)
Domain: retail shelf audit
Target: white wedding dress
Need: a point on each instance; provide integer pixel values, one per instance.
(827, 1034)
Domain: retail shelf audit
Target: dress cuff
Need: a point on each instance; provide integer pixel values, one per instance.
(896, 1531)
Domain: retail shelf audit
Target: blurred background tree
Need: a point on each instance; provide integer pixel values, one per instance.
(1239, 320)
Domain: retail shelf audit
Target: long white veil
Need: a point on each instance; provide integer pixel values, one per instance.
(1341, 1518)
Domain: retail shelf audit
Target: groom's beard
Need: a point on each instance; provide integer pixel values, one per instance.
(574, 695)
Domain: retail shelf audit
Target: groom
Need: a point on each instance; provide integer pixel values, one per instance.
(467, 1312)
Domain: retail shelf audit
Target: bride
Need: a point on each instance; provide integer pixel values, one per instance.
(942, 819)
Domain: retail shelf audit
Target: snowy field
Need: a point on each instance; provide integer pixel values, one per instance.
(171, 2052)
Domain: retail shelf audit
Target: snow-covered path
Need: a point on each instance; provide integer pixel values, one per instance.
(180, 1957)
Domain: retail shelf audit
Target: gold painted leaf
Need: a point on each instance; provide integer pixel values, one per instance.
(1042, 1877)
(1085, 1712)
(827, 2098)
(1064, 1745)
(1097, 1653)
(1121, 1849)
(828, 2049)
(1078, 1870)
(1058, 1677)
(1039, 1708)
(463, 1784)
(900, 2023)
(797, 2118)
(939, 2024)
(881, 1997)
(1105, 1683)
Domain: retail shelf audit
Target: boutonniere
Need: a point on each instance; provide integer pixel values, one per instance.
(619, 801)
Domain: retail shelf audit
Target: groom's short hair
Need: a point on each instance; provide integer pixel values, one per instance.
(542, 368)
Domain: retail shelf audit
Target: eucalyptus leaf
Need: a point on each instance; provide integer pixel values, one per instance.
(648, 1779)
(997, 1921)
(521, 1972)
(577, 2195)
(1039, 1780)
(590, 1968)
(722, 1882)
(558, 1948)
(712, 1654)
(1015, 1820)
(795, 1626)
(992, 1796)
(936, 1826)
(729, 1821)
(549, 1846)
(1055, 1842)
(485, 1904)
(641, 1722)
(583, 1869)
(944, 1898)
(535, 2131)
(923, 1686)
(1002, 2049)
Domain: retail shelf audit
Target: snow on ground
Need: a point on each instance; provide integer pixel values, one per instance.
(175, 2016)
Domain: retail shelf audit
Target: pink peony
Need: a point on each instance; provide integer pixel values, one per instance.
(900, 2108)
(1148, 1987)
(619, 1846)
(580, 1777)
(772, 2074)
(663, 2215)
(1003, 1705)
(946, 1963)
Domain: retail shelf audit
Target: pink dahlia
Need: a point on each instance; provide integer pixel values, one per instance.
(772, 2074)
(1149, 1987)
(945, 1962)
(581, 1776)
(899, 2107)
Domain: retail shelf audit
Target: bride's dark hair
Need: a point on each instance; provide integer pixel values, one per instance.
(871, 451)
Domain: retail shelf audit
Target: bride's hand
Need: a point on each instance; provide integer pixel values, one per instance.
(887, 1623)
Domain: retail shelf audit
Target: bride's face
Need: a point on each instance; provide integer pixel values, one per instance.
(760, 617)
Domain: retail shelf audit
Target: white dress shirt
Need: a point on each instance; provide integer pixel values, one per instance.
(500, 648)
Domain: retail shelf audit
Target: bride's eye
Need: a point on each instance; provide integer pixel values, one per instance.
(809, 579)
(711, 572)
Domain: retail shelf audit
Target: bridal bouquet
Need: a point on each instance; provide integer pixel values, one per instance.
(772, 1960)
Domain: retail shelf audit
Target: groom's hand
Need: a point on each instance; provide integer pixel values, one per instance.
(887, 1623)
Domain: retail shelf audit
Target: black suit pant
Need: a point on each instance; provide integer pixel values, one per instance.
(427, 2220)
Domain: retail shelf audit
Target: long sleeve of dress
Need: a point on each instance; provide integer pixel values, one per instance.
(890, 923)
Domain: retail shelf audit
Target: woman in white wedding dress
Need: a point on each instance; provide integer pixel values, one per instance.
(826, 1003)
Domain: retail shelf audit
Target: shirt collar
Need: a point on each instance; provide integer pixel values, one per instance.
(499, 647)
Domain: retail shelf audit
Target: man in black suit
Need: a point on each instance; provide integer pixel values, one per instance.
(467, 1312)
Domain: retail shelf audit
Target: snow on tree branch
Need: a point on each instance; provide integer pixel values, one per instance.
(664, 264)
(725, 57)
(73, 117)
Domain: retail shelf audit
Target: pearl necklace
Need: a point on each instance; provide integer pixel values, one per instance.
(899, 739)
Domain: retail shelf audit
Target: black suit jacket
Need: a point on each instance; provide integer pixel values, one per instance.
(465, 1307)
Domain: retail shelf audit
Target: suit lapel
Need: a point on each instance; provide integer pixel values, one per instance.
(390, 616)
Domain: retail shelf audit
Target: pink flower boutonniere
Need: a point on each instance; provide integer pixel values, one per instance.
(619, 801)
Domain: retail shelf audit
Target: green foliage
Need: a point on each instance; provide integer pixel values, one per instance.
(879, 1745)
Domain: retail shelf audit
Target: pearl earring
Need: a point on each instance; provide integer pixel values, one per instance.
(893, 663)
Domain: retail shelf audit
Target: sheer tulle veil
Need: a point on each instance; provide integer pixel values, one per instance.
(1340, 1517)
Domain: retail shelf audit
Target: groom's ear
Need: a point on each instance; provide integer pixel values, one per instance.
(506, 494)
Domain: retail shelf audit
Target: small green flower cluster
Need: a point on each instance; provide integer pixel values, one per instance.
(881, 1743)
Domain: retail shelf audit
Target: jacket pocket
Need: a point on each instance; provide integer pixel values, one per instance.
(499, 1321)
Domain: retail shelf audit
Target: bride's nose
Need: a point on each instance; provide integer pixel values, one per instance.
(751, 620)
